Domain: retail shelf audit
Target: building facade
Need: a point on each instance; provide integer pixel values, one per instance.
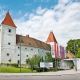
(10, 44)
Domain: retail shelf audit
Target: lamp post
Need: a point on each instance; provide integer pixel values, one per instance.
(75, 55)
(20, 52)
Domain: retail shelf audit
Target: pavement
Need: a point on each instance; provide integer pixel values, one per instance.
(63, 72)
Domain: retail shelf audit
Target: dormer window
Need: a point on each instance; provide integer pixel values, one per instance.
(9, 30)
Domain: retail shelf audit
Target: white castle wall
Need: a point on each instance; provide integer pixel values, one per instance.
(0, 43)
(8, 44)
(10, 53)
(29, 52)
(26, 52)
(42, 52)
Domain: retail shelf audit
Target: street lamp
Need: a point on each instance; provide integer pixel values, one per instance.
(20, 52)
(75, 55)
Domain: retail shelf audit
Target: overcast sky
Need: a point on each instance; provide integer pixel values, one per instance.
(38, 17)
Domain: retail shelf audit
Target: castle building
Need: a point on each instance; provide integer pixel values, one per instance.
(10, 44)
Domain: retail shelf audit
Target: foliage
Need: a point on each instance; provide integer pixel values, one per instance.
(14, 70)
(73, 46)
(34, 62)
(14, 65)
(78, 53)
(48, 57)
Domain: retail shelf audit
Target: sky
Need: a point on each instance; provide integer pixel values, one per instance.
(38, 17)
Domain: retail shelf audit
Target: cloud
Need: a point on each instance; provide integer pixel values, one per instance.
(28, 4)
(64, 1)
(40, 10)
(2, 12)
(63, 19)
(19, 12)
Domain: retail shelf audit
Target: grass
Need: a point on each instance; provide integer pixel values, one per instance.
(15, 70)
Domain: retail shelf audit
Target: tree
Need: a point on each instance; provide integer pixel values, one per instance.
(78, 53)
(34, 62)
(48, 57)
(72, 44)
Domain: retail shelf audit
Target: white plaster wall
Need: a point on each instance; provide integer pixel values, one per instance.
(25, 50)
(0, 44)
(13, 50)
(8, 37)
(42, 52)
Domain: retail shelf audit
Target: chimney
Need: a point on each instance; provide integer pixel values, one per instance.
(27, 35)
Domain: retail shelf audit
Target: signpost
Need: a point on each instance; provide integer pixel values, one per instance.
(46, 64)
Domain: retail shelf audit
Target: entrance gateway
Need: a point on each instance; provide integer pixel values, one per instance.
(68, 63)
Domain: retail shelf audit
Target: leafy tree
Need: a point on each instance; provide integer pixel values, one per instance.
(34, 62)
(72, 46)
(48, 57)
(54, 60)
(78, 53)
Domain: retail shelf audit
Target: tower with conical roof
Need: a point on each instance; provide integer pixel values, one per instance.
(51, 40)
(7, 40)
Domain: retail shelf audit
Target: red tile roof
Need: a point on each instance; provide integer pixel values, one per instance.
(28, 41)
(70, 55)
(51, 38)
(8, 20)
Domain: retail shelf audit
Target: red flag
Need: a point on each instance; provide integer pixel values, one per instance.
(56, 52)
(55, 49)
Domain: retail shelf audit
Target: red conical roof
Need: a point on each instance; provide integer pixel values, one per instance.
(8, 20)
(51, 38)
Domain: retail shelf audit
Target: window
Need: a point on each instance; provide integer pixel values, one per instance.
(18, 47)
(9, 30)
(18, 61)
(25, 48)
(26, 55)
(7, 54)
(10, 60)
(18, 54)
(31, 49)
(8, 43)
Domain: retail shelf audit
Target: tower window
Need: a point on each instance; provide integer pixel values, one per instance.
(9, 43)
(18, 54)
(26, 55)
(18, 61)
(9, 30)
(7, 54)
(10, 60)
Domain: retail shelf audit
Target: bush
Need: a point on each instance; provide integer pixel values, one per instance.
(42, 69)
(14, 65)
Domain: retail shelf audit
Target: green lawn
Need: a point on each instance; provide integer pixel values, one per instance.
(15, 70)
